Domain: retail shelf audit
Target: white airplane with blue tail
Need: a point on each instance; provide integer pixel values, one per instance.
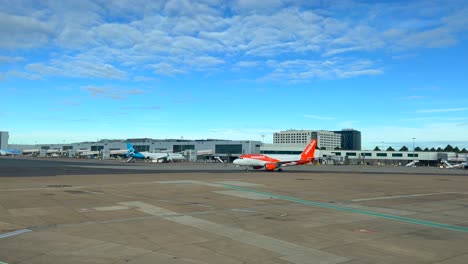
(132, 154)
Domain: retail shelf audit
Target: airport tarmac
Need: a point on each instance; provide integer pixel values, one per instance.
(57, 211)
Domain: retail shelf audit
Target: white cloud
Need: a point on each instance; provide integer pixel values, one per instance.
(112, 39)
(143, 79)
(9, 59)
(167, 69)
(22, 32)
(441, 110)
(112, 93)
(247, 64)
(319, 117)
(347, 74)
(303, 70)
(83, 65)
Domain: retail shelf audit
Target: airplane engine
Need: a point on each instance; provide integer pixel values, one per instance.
(270, 166)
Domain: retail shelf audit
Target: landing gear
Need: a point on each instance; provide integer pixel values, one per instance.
(280, 170)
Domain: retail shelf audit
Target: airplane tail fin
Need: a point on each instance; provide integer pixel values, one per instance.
(309, 151)
(130, 150)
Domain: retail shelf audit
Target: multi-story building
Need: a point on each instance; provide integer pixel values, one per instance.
(325, 139)
(300, 137)
(350, 139)
(3, 139)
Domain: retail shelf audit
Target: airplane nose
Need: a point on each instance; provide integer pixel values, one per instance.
(236, 161)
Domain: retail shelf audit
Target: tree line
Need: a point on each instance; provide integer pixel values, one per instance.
(448, 148)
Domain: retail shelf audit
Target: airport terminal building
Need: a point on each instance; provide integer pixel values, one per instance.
(226, 150)
(3, 140)
(370, 157)
(290, 142)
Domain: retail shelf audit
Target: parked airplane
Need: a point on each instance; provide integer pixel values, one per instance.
(464, 165)
(151, 157)
(9, 152)
(448, 165)
(260, 161)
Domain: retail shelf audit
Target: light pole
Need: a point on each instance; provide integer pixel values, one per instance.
(413, 147)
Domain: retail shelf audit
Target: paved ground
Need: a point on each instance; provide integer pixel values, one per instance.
(107, 212)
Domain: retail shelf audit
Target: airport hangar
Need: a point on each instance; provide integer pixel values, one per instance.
(228, 150)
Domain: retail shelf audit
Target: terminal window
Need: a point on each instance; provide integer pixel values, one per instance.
(96, 148)
(141, 148)
(229, 149)
(180, 148)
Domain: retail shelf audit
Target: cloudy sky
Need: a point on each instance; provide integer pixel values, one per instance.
(87, 70)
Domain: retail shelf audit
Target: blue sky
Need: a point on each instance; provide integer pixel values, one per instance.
(86, 70)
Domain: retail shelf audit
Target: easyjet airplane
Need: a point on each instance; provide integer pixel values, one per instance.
(260, 161)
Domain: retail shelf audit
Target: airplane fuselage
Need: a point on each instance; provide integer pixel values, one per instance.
(271, 163)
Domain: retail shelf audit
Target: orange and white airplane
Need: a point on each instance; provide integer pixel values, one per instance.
(260, 161)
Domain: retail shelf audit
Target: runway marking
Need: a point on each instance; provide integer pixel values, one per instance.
(14, 233)
(75, 187)
(240, 184)
(352, 210)
(219, 184)
(252, 196)
(111, 208)
(403, 196)
(192, 182)
(288, 251)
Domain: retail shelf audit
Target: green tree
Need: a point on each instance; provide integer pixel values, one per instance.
(456, 150)
(337, 148)
(390, 149)
(448, 148)
(426, 150)
(439, 149)
(433, 149)
(418, 149)
(376, 149)
(464, 150)
(404, 148)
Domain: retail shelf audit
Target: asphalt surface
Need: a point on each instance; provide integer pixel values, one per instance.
(36, 167)
(85, 211)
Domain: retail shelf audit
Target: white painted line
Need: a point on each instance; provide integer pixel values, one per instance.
(149, 209)
(111, 208)
(288, 251)
(244, 210)
(252, 196)
(403, 196)
(240, 184)
(14, 233)
(193, 182)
